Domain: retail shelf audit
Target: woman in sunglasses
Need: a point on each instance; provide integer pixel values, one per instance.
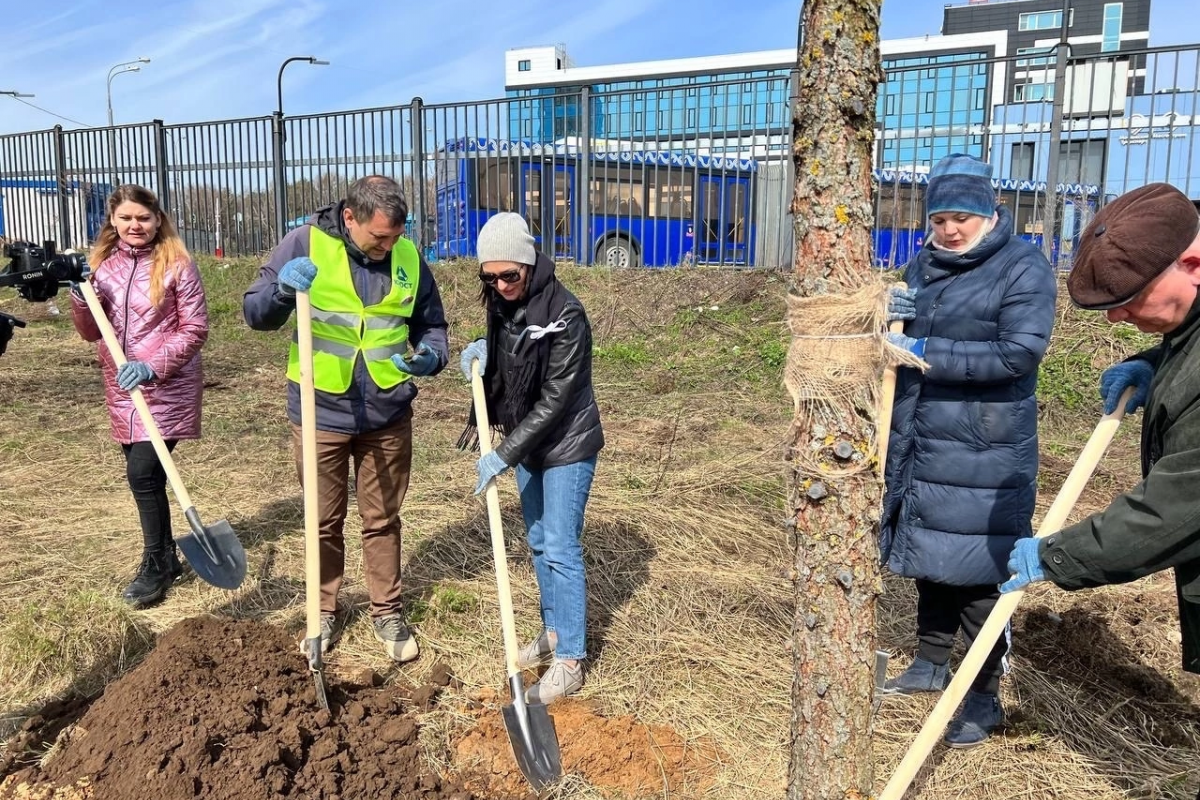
(536, 363)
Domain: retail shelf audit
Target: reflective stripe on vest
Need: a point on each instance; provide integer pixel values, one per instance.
(343, 327)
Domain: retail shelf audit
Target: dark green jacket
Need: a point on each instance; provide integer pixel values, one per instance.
(1156, 524)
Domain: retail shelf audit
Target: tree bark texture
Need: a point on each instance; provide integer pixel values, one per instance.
(834, 494)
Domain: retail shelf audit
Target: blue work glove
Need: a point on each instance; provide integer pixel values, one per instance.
(1119, 377)
(490, 466)
(914, 346)
(297, 275)
(475, 350)
(134, 373)
(1025, 565)
(422, 362)
(902, 304)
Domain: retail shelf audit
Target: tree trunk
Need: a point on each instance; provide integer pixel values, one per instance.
(834, 493)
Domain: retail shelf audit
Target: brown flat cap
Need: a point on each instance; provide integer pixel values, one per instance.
(1129, 243)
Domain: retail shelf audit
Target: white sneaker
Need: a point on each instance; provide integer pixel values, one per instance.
(539, 651)
(558, 681)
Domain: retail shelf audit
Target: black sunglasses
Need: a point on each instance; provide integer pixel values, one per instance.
(512, 276)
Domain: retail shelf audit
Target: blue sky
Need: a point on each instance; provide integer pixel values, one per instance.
(218, 59)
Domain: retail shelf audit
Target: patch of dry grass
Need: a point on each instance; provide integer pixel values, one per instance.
(690, 607)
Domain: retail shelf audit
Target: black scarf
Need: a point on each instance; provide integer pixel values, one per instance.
(512, 392)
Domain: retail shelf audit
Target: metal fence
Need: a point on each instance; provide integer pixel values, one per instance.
(686, 172)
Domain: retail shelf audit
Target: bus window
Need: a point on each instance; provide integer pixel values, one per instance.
(495, 186)
(671, 197)
(533, 201)
(562, 204)
(617, 193)
(710, 190)
(735, 211)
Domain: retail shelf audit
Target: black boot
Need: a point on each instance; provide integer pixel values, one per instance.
(176, 566)
(153, 578)
(979, 716)
(921, 676)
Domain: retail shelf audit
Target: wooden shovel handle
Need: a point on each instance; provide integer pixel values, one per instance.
(139, 401)
(508, 624)
(887, 400)
(1054, 520)
(308, 458)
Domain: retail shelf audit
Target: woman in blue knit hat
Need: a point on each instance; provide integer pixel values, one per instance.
(536, 362)
(961, 471)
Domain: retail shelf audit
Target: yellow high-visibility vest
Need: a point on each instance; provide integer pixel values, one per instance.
(343, 327)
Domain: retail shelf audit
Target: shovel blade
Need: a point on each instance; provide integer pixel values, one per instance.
(534, 743)
(214, 552)
(322, 697)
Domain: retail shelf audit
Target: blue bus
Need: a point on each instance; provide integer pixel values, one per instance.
(649, 208)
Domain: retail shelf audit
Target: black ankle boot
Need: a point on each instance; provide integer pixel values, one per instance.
(921, 676)
(153, 578)
(175, 564)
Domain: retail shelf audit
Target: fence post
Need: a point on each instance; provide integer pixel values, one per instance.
(60, 175)
(583, 178)
(417, 123)
(1050, 219)
(277, 139)
(160, 164)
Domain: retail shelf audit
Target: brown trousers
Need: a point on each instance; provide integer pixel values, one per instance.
(382, 461)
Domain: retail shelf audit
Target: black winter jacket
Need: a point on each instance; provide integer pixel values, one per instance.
(962, 464)
(563, 427)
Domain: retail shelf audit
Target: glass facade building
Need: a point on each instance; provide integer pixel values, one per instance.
(655, 108)
(930, 106)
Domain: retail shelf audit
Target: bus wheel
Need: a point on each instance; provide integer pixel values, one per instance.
(617, 252)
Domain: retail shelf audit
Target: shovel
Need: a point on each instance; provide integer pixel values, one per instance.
(214, 552)
(529, 725)
(312, 519)
(939, 718)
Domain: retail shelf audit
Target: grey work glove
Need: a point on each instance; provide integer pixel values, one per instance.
(475, 350)
(489, 467)
(133, 374)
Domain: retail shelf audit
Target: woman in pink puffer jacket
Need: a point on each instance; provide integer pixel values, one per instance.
(150, 290)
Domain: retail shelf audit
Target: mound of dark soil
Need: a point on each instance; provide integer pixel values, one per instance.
(227, 709)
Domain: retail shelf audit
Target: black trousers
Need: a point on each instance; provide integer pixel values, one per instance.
(148, 482)
(942, 610)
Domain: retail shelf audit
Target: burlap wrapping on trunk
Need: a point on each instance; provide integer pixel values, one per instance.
(835, 361)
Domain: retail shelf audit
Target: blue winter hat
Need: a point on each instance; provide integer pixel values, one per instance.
(960, 183)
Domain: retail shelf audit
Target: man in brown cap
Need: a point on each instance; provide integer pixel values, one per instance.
(1139, 262)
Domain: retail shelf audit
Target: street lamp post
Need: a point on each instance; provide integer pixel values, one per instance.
(114, 71)
(278, 137)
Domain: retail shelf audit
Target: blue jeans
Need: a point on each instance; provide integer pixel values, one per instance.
(552, 502)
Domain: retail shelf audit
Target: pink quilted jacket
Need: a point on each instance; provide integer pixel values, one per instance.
(168, 338)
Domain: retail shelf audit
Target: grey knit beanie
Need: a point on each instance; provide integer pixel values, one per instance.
(505, 237)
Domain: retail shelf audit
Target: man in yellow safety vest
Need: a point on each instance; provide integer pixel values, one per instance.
(373, 297)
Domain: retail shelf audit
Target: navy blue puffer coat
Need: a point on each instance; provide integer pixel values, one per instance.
(962, 463)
